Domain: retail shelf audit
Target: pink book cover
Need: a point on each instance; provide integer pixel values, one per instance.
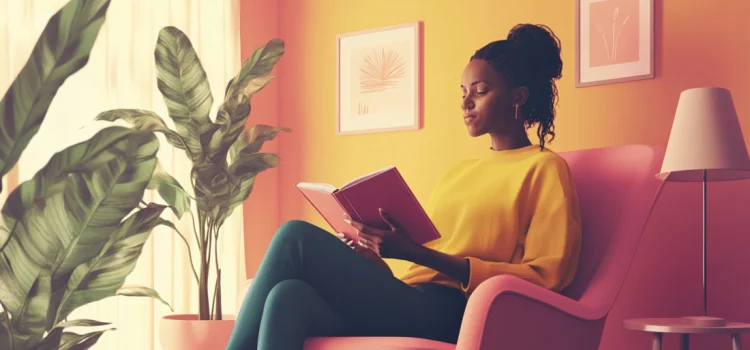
(362, 197)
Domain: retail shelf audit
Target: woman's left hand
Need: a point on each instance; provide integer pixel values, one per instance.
(393, 243)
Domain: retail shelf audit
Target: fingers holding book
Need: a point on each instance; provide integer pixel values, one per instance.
(394, 243)
(368, 241)
(367, 237)
(348, 241)
(367, 253)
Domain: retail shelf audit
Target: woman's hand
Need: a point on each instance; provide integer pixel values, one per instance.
(349, 242)
(368, 254)
(393, 243)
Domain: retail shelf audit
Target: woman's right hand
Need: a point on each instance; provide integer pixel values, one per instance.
(350, 242)
(367, 253)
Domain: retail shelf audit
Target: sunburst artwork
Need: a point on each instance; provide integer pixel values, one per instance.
(379, 85)
(380, 70)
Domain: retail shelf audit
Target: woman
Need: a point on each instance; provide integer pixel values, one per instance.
(512, 211)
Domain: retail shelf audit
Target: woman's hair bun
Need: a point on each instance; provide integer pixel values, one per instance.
(540, 47)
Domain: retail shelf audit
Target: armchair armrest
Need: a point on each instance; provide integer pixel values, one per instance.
(507, 312)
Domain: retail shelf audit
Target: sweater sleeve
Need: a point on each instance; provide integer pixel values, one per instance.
(553, 239)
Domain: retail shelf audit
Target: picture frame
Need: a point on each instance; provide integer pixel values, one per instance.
(379, 79)
(605, 26)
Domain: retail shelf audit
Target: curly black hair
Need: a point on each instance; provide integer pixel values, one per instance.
(530, 57)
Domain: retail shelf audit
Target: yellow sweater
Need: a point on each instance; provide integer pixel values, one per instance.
(508, 212)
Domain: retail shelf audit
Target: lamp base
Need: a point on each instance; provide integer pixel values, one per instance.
(705, 321)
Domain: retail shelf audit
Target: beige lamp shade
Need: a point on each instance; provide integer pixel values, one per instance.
(706, 135)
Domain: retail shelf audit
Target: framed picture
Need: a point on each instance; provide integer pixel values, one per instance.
(614, 41)
(379, 79)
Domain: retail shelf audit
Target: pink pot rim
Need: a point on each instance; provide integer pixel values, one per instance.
(194, 318)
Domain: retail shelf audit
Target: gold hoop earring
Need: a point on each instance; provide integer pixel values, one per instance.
(516, 105)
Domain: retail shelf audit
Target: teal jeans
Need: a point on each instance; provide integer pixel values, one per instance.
(311, 284)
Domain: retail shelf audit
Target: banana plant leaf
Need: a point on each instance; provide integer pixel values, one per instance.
(71, 240)
(170, 190)
(144, 120)
(57, 338)
(184, 86)
(233, 113)
(62, 49)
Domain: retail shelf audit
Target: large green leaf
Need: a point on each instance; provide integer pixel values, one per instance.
(260, 64)
(101, 276)
(75, 341)
(55, 336)
(252, 140)
(64, 216)
(62, 49)
(184, 85)
(230, 121)
(170, 190)
(28, 324)
(233, 112)
(81, 323)
(212, 185)
(238, 193)
(249, 164)
(145, 120)
(86, 156)
(142, 291)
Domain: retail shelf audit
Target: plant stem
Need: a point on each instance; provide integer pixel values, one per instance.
(190, 254)
(195, 229)
(217, 290)
(218, 295)
(213, 299)
(211, 244)
(203, 311)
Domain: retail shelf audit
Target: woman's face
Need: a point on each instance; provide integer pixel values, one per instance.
(487, 102)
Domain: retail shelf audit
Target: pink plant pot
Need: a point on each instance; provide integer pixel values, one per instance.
(187, 332)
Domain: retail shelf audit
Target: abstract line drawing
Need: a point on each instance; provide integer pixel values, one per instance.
(614, 32)
(612, 53)
(614, 41)
(362, 109)
(381, 70)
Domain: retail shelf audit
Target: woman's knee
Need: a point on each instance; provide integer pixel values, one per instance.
(295, 230)
(288, 293)
(294, 227)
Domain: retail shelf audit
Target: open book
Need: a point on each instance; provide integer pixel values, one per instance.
(362, 197)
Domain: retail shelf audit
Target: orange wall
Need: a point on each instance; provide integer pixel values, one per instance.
(259, 24)
(698, 44)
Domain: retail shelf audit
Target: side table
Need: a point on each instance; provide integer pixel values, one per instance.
(659, 326)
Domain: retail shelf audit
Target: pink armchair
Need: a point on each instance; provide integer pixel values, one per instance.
(617, 189)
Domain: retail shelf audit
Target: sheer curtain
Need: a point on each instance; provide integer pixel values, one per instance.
(121, 74)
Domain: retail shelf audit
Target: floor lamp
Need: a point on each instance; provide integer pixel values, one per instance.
(705, 145)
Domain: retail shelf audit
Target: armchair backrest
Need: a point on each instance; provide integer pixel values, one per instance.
(617, 189)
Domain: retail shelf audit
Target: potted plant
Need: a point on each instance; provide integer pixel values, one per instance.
(226, 160)
(71, 234)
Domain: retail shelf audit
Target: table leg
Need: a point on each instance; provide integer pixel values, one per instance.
(736, 342)
(657, 342)
(685, 341)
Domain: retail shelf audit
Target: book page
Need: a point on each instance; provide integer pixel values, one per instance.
(366, 176)
(317, 187)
